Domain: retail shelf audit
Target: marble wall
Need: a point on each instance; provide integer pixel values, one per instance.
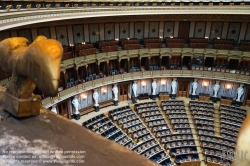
(124, 30)
(216, 30)
(168, 29)
(200, 28)
(78, 33)
(62, 35)
(233, 30)
(153, 29)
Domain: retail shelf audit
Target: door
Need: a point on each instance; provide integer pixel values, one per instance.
(183, 88)
(63, 109)
(123, 92)
(184, 27)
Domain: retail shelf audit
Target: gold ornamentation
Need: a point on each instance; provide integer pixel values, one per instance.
(18, 7)
(8, 7)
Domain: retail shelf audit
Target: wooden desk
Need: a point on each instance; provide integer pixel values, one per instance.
(226, 101)
(163, 96)
(204, 97)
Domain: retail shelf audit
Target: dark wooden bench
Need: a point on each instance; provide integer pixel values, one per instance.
(143, 96)
(86, 110)
(106, 103)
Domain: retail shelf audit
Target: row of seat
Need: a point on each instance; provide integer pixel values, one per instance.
(223, 41)
(67, 55)
(129, 41)
(175, 45)
(83, 46)
(151, 40)
(153, 45)
(106, 43)
(131, 46)
(198, 45)
(198, 40)
(223, 46)
(174, 40)
(87, 51)
(109, 48)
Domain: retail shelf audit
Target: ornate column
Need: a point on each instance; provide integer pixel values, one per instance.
(64, 80)
(128, 64)
(149, 62)
(77, 74)
(107, 63)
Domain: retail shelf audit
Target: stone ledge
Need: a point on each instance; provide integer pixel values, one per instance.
(49, 131)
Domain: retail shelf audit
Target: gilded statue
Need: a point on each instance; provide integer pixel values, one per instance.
(37, 64)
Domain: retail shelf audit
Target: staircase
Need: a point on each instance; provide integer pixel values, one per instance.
(158, 102)
(195, 133)
(216, 120)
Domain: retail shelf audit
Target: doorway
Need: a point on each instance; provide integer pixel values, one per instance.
(123, 92)
(184, 27)
(183, 88)
(186, 63)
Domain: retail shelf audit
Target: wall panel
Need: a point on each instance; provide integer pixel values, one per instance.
(78, 33)
(109, 32)
(153, 29)
(62, 35)
(139, 30)
(124, 30)
(168, 29)
(216, 30)
(200, 28)
(233, 30)
(4, 35)
(94, 33)
(44, 31)
(25, 33)
(247, 35)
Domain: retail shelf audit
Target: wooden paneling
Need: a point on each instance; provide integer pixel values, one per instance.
(44, 31)
(4, 35)
(184, 27)
(25, 33)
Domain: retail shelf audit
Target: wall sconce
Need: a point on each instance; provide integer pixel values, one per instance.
(28, 6)
(18, 7)
(48, 6)
(76, 5)
(71, 45)
(83, 42)
(205, 83)
(38, 6)
(143, 83)
(83, 96)
(66, 5)
(128, 38)
(163, 82)
(57, 5)
(206, 37)
(160, 37)
(171, 37)
(228, 86)
(218, 38)
(104, 91)
(116, 39)
(8, 7)
(0, 7)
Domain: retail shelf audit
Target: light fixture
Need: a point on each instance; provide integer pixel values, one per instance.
(48, 6)
(143, 83)
(28, 6)
(71, 45)
(218, 38)
(128, 38)
(83, 96)
(171, 37)
(228, 86)
(85, 5)
(117, 39)
(163, 82)
(83, 42)
(160, 37)
(66, 5)
(18, 7)
(8, 7)
(38, 6)
(205, 83)
(206, 37)
(104, 90)
(76, 5)
(57, 5)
